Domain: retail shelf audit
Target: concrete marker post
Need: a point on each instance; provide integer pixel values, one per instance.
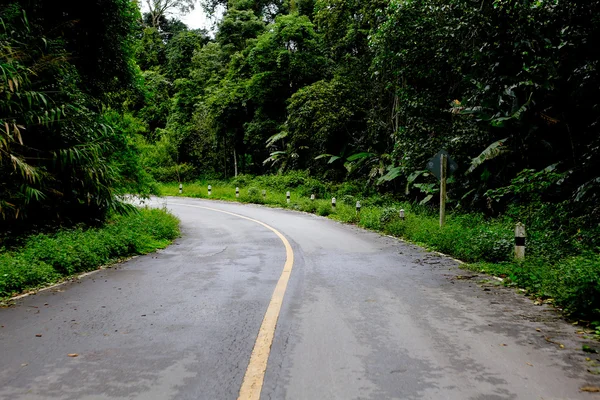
(180, 188)
(402, 214)
(264, 192)
(287, 196)
(358, 208)
(237, 192)
(312, 197)
(333, 203)
(209, 190)
(520, 241)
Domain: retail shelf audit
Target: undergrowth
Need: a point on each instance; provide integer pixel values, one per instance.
(46, 258)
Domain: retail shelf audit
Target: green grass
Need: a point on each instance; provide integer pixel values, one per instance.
(47, 258)
(555, 267)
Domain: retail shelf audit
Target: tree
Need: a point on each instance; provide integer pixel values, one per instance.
(236, 28)
(150, 50)
(56, 148)
(98, 36)
(160, 9)
(167, 27)
(179, 52)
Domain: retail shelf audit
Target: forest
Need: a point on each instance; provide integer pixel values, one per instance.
(102, 99)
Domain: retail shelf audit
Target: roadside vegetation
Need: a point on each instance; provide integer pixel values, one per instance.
(68, 156)
(561, 267)
(45, 258)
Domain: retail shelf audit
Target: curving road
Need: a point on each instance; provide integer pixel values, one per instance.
(363, 317)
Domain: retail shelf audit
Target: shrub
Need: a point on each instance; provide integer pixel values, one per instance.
(324, 208)
(388, 214)
(575, 284)
(254, 195)
(174, 173)
(347, 200)
(370, 218)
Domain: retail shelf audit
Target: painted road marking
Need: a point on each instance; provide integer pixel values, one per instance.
(255, 373)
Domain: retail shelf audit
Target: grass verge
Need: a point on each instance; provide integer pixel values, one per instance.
(47, 258)
(556, 268)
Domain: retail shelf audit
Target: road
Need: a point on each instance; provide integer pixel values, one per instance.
(363, 316)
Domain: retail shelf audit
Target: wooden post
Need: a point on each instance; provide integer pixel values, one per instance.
(443, 168)
(520, 241)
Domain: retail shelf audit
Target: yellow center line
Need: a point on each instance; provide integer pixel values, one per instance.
(255, 373)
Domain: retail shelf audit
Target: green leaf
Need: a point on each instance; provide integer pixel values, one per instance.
(360, 156)
(492, 151)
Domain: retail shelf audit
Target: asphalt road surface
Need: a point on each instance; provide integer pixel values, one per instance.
(364, 316)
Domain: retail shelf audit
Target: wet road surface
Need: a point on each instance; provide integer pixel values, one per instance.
(364, 317)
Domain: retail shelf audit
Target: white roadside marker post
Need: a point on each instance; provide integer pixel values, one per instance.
(312, 197)
(264, 194)
(287, 196)
(333, 202)
(209, 190)
(358, 208)
(402, 214)
(520, 241)
(180, 188)
(237, 192)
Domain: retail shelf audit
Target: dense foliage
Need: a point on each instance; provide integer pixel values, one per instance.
(341, 88)
(63, 66)
(372, 90)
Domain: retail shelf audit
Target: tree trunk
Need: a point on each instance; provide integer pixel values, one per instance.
(235, 171)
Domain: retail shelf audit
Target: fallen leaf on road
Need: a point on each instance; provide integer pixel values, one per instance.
(538, 329)
(38, 335)
(530, 364)
(73, 355)
(592, 389)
